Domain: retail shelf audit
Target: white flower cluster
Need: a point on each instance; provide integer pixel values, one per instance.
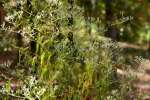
(56, 2)
(32, 89)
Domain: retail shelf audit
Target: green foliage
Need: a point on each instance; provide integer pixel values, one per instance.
(78, 69)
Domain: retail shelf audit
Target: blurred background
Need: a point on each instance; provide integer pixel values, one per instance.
(127, 22)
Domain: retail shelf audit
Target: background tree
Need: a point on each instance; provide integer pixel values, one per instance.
(2, 13)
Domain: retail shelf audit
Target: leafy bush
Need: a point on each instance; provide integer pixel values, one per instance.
(78, 69)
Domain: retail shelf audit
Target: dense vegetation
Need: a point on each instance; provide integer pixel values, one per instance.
(68, 49)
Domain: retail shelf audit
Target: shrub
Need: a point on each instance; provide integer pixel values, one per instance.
(78, 69)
